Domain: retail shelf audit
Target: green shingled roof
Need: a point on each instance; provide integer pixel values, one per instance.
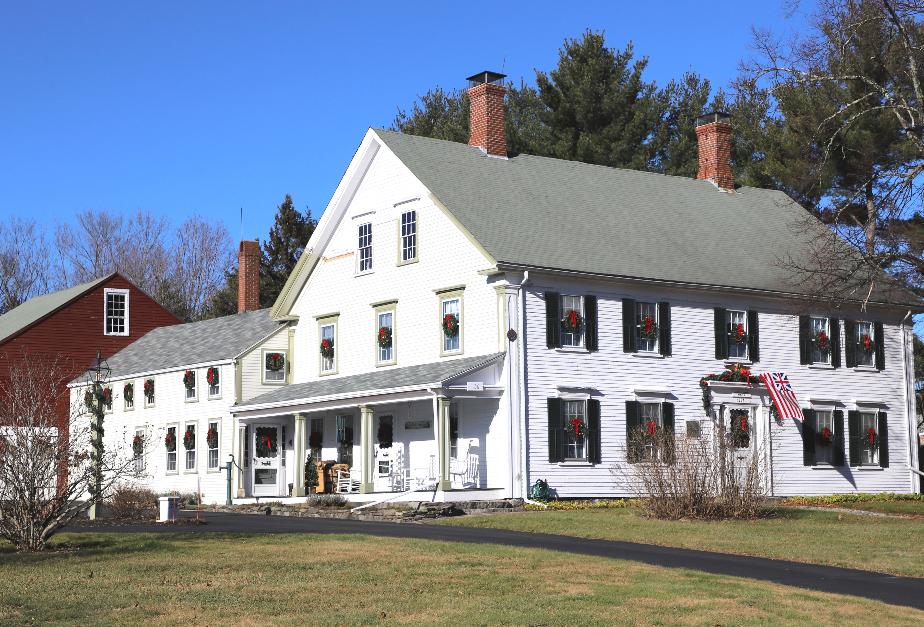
(34, 309)
(567, 215)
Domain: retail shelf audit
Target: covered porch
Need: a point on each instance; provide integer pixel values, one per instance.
(429, 432)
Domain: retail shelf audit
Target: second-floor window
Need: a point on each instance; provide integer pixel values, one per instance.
(364, 247)
(274, 366)
(213, 379)
(189, 384)
(328, 347)
(116, 312)
(737, 334)
(865, 342)
(409, 236)
(647, 324)
(385, 340)
(572, 323)
(451, 324)
(820, 341)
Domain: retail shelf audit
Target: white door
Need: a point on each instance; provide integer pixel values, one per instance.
(384, 451)
(267, 474)
(743, 431)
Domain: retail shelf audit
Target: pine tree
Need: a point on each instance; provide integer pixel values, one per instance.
(287, 239)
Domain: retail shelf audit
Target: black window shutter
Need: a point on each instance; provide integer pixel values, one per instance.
(837, 458)
(552, 320)
(808, 437)
(664, 331)
(853, 436)
(880, 346)
(883, 440)
(836, 344)
(850, 346)
(590, 323)
(805, 331)
(593, 431)
(667, 415)
(633, 455)
(629, 335)
(721, 334)
(556, 431)
(753, 336)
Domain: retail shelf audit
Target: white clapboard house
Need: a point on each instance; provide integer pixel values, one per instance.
(468, 321)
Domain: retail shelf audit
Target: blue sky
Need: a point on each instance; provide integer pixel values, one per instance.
(209, 107)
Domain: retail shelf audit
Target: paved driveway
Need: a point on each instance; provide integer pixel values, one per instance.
(907, 591)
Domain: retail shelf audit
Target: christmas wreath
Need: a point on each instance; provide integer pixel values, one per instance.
(189, 379)
(189, 440)
(327, 348)
(572, 321)
(170, 441)
(137, 445)
(825, 435)
(648, 328)
(385, 435)
(576, 427)
(266, 445)
(737, 334)
(867, 343)
(149, 390)
(211, 437)
(314, 440)
(97, 395)
(871, 439)
(735, 373)
(451, 325)
(129, 392)
(384, 337)
(651, 429)
(822, 341)
(740, 430)
(211, 376)
(275, 362)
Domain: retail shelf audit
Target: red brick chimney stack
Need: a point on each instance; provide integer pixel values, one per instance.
(486, 114)
(714, 133)
(248, 276)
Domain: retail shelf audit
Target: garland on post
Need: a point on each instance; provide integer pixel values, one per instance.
(170, 441)
(149, 390)
(648, 328)
(211, 437)
(450, 325)
(211, 376)
(189, 439)
(137, 445)
(189, 379)
(129, 392)
(384, 337)
(572, 321)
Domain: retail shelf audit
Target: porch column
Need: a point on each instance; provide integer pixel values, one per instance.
(298, 473)
(239, 458)
(443, 480)
(365, 449)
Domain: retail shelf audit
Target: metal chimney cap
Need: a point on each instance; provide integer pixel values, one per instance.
(485, 77)
(712, 117)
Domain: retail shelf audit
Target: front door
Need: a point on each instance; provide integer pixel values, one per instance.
(743, 432)
(384, 450)
(267, 479)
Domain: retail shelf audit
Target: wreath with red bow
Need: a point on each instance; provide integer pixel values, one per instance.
(189, 379)
(384, 337)
(129, 392)
(871, 438)
(740, 430)
(137, 445)
(648, 328)
(212, 376)
(266, 445)
(149, 389)
(275, 362)
(867, 343)
(651, 429)
(451, 325)
(327, 348)
(737, 334)
(211, 437)
(576, 427)
(572, 321)
(825, 435)
(822, 341)
(170, 441)
(189, 440)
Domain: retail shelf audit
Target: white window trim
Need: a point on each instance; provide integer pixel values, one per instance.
(176, 451)
(747, 332)
(125, 406)
(112, 290)
(394, 336)
(401, 260)
(285, 367)
(443, 297)
(195, 449)
(326, 322)
(137, 472)
(208, 387)
(821, 364)
(577, 461)
(870, 367)
(582, 347)
(195, 388)
(208, 450)
(656, 351)
(371, 268)
(145, 403)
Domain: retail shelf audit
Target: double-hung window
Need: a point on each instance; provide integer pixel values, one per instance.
(364, 248)
(575, 430)
(345, 440)
(138, 445)
(128, 396)
(824, 437)
(274, 366)
(820, 340)
(737, 334)
(385, 337)
(213, 379)
(190, 384)
(865, 342)
(115, 314)
(212, 439)
(869, 437)
(572, 330)
(647, 323)
(652, 423)
(451, 324)
(171, 445)
(408, 236)
(189, 445)
(316, 439)
(327, 330)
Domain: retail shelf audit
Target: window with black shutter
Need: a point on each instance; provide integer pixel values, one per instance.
(664, 317)
(593, 431)
(721, 333)
(629, 336)
(808, 437)
(633, 423)
(753, 336)
(556, 430)
(552, 320)
(591, 341)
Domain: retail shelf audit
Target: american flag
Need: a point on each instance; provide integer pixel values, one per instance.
(782, 394)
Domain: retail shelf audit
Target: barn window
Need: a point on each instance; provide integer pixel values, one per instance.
(115, 312)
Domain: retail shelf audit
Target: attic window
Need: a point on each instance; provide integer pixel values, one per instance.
(115, 312)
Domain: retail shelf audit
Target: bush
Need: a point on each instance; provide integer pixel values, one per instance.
(327, 500)
(187, 499)
(131, 503)
(695, 477)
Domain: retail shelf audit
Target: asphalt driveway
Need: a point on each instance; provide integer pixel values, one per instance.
(907, 591)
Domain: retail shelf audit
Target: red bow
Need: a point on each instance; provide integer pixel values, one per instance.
(867, 342)
(743, 423)
(649, 325)
(572, 318)
(871, 436)
(826, 434)
(269, 443)
(651, 426)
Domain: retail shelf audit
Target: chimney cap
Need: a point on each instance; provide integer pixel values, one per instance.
(712, 117)
(485, 77)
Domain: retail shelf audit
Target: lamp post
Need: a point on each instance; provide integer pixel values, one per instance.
(97, 374)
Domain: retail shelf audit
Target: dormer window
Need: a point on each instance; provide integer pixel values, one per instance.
(115, 312)
(364, 248)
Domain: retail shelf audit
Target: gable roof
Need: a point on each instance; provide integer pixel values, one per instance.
(175, 346)
(25, 315)
(544, 213)
(421, 375)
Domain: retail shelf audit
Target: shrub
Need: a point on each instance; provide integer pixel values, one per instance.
(187, 499)
(327, 500)
(132, 503)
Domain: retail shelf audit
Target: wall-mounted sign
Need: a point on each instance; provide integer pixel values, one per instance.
(474, 386)
(417, 424)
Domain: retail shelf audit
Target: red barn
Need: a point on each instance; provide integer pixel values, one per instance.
(104, 315)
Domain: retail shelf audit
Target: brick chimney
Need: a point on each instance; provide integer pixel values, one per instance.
(714, 133)
(486, 115)
(248, 276)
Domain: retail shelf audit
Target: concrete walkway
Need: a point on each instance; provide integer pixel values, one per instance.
(906, 591)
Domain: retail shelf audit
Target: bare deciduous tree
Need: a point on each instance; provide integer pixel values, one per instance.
(24, 269)
(45, 467)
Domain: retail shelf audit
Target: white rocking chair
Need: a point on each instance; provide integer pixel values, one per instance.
(348, 481)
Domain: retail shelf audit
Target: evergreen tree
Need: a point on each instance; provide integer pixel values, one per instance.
(287, 239)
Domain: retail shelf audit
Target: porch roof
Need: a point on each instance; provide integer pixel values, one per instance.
(380, 381)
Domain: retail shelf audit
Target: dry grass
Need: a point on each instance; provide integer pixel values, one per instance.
(891, 545)
(298, 579)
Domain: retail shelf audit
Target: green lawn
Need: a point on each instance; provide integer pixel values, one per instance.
(298, 579)
(892, 545)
